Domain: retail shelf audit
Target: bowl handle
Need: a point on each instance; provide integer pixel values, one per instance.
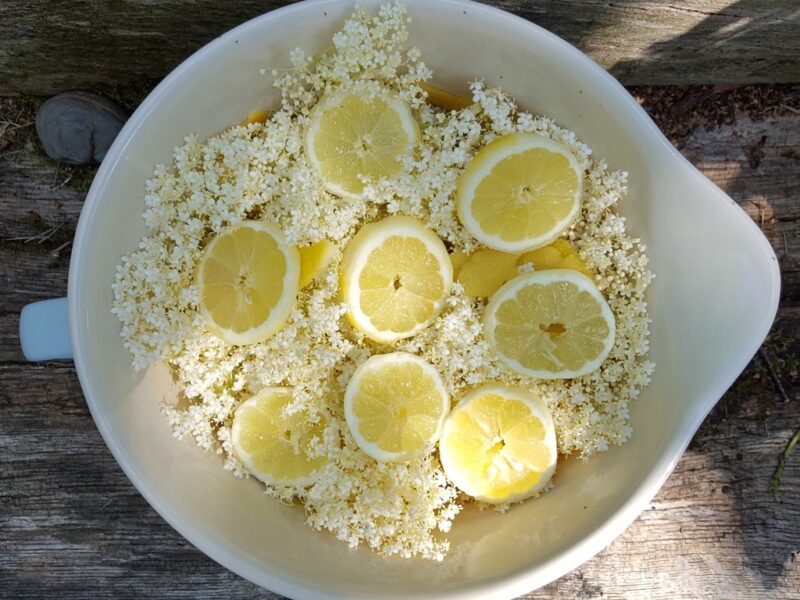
(44, 330)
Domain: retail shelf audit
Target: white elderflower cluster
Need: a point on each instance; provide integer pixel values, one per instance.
(260, 171)
(369, 50)
(392, 507)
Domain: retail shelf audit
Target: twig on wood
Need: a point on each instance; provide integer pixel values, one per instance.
(776, 476)
(11, 153)
(39, 238)
(58, 250)
(787, 452)
(773, 374)
(48, 234)
(8, 126)
(63, 183)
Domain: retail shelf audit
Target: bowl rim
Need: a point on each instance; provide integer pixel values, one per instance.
(525, 578)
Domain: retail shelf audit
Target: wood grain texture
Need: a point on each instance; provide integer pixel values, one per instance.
(49, 46)
(769, 193)
(72, 526)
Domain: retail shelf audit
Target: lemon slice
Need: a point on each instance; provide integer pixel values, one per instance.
(558, 255)
(248, 280)
(274, 446)
(314, 259)
(519, 192)
(499, 444)
(395, 405)
(350, 137)
(395, 277)
(552, 324)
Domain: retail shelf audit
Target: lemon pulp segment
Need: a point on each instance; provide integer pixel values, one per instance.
(457, 259)
(314, 259)
(559, 254)
(445, 99)
(485, 270)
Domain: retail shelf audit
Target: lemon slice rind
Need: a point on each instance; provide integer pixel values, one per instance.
(372, 365)
(482, 166)
(335, 99)
(510, 289)
(356, 256)
(462, 480)
(280, 312)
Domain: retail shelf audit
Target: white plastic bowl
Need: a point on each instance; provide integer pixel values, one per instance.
(712, 303)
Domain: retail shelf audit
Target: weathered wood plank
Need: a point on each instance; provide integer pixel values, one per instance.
(747, 141)
(766, 151)
(48, 46)
(744, 138)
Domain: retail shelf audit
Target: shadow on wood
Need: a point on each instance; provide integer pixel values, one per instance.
(51, 46)
(732, 40)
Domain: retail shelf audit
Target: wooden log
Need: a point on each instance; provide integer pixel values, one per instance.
(49, 46)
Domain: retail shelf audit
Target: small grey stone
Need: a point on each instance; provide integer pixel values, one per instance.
(78, 127)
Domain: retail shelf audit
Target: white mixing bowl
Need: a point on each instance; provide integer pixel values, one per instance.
(712, 303)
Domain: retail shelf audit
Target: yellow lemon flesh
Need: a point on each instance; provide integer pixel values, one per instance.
(248, 280)
(395, 405)
(551, 324)
(274, 446)
(499, 444)
(351, 137)
(457, 259)
(445, 99)
(314, 259)
(558, 255)
(395, 276)
(256, 116)
(519, 192)
(485, 271)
